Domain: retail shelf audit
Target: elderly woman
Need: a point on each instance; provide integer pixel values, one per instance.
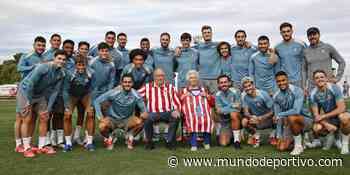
(196, 104)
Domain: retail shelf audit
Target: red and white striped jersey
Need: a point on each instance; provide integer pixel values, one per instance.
(197, 110)
(160, 99)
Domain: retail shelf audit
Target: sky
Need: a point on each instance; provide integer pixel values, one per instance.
(88, 20)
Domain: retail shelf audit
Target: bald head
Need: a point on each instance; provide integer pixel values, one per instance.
(159, 76)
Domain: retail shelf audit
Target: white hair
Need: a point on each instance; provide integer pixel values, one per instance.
(191, 72)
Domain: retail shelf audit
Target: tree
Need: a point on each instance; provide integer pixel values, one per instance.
(8, 70)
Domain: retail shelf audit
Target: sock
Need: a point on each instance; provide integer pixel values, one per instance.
(48, 141)
(60, 136)
(77, 132)
(236, 135)
(68, 140)
(344, 139)
(26, 143)
(89, 139)
(18, 142)
(53, 137)
(42, 141)
(217, 129)
(297, 141)
(156, 129)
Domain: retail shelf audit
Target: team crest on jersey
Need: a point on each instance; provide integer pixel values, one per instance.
(258, 104)
(323, 51)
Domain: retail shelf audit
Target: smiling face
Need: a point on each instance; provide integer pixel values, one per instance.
(320, 79)
(263, 45)
(39, 47)
(80, 67)
(249, 87)
(186, 43)
(240, 39)
(145, 46)
(224, 83)
(224, 50)
(282, 82)
(127, 83)
(55, 42)
(83, 50)
(110, 40)
(68, 48)
(286, 33)
(59, 60)
(122, 40)
(138, 61)
(193, 80)
(103, 53)
(159, 76)
(314, 38)
(164, 41)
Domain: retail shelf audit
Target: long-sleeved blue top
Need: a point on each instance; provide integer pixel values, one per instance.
(228, 101)
(209, 60)
(123, 103)
(164, 58)
(188, 60)
(45, 80)
(241, 59)
(103, 75)
(27, 63)
(140, 75)
(125, 57)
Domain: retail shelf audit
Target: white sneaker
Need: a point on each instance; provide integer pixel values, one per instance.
(206, 146)
(194, 148)
(297, 150)
(338, 144)
(329, 142)
(344, 149)
(314, 144)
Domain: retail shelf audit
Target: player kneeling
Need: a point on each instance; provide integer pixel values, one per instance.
(77, 91)
(288, 106)
(228, 106)
(257, 106)
(123, 100)
(327, 97)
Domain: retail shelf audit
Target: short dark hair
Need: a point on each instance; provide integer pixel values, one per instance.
(80, 59)
(319, 71)
(110, 33)
(60, 52)
(281, 73)
(223, 76)
(127, 76)
(55, 35)
(263, 37)
(221, 44)
(205, 27)
(39, 39)
(133, 53)
(68, 41)
(185, 36)
(81, 43)
(144, 40)
(165, 33)
(102, 45)
(240, 31)
(121, 34)
(286, 24)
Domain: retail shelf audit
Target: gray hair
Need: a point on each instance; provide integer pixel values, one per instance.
(191, 72)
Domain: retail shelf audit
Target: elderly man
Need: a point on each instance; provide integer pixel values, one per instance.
(163, 104)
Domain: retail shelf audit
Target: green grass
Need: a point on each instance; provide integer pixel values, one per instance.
(140, 161)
